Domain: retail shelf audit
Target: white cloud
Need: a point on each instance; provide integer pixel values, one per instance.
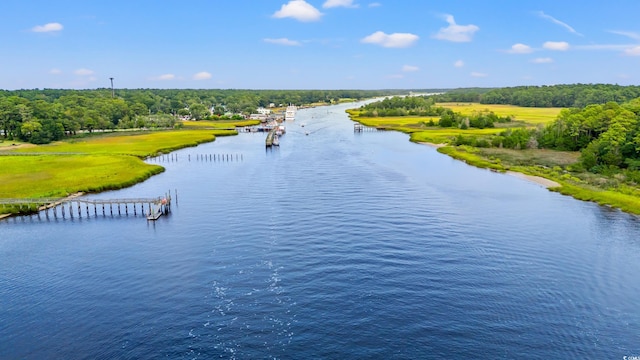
(634, 51)
(83, 72)
(339, 3)
(283, 41)
(545, 60)
(478, 74)
(395, 40)
(629, 34)
(375, 4)
(556, 45)
(164, 77)
(558, 22)
(455, 32)
(410, 68)
(50, 27)
(299, 10)
(203, 75)
(55, 71)
(458, 64)
(520, 49)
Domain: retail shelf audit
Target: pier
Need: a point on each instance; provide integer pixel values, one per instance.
(358, 128)
(197, 157)
(151, 208)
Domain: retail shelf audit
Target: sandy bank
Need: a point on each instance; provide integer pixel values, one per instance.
(535, 179)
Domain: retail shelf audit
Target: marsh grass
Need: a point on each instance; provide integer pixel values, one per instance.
(61, 175)
(136, 144)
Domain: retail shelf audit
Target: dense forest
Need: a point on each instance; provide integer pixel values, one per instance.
(576, 95)
(42, 116)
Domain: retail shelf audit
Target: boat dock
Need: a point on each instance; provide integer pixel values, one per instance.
(72, 206)
(361, 128)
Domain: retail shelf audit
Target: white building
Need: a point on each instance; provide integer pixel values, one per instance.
(264, 111)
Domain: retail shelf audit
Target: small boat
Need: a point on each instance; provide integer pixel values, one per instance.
(276, 140)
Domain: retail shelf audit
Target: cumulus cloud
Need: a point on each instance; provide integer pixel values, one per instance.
(478, 74)
(634, 51)
(520, 49)
(282, 41)
(410, 68)
(49, 27)
(55, 71)
(558, 22)
(299, 10)
(339, 3)
(395, 40)
(458, 64)
(203, 75)
(83, 72)
(556, 45)
(455, 32)
(545, 60)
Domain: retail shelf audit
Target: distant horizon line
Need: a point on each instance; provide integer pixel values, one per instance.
(318, 89)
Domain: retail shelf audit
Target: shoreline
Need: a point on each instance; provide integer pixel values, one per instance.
(535, 179)
(539, 180)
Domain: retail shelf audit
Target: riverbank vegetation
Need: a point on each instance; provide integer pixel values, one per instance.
(592, 152)
(43, 116)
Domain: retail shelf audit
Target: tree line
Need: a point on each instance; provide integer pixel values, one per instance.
(41, 116)
(572, 95)
(425, 106)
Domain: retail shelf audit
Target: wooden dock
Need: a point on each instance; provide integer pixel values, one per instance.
(359, 128)
(72, 206)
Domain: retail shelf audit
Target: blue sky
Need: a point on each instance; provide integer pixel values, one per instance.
(317, 44)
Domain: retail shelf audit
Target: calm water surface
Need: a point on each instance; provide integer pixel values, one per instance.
(337, 246)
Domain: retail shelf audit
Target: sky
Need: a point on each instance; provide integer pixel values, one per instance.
(317, 44)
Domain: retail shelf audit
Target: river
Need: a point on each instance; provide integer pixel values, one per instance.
(337, 245)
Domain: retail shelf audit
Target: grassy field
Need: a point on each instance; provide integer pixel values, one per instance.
(136, 144)
(58, 176)
(529, 115)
